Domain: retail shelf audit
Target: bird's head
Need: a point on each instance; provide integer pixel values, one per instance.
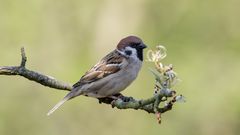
(132, 46)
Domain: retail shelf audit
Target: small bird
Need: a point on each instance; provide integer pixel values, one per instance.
(112, 74)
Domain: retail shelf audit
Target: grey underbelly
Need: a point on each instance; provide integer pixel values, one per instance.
(110, 87)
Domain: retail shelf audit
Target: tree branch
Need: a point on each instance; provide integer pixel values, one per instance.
(150, 105)
(33, 75)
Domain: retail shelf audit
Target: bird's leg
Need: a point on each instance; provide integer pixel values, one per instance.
(113, 98)
(123, 98)
(110, 99)
(106, 100)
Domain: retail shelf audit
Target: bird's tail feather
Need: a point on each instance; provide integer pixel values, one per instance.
(66, 98)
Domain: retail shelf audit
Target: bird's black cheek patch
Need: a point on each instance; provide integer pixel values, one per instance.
(128, 52)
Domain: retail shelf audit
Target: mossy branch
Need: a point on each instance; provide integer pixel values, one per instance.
(150, 105)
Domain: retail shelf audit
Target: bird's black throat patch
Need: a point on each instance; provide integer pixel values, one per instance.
(140, 53)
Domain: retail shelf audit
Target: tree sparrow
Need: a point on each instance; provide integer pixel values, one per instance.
(112, 74)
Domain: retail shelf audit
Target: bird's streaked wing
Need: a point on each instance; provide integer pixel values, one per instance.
(110, 64)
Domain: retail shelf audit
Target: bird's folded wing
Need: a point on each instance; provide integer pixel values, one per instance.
(110, 64)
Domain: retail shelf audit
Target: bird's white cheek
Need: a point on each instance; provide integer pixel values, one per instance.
(130, 52)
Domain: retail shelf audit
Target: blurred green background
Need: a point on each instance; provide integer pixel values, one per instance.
(65, 38)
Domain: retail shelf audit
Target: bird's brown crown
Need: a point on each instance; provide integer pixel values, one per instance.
(128, 41)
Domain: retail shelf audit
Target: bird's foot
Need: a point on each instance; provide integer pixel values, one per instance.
(113, 98)
(123, 98)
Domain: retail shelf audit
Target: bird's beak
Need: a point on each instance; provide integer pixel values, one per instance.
(143, 46)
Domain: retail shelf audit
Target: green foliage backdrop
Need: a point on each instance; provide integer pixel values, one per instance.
(65, 38)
